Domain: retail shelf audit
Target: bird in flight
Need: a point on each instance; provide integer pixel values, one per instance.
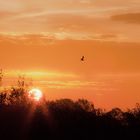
(83, 58)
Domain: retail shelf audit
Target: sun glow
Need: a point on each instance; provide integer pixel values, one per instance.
(35, 94)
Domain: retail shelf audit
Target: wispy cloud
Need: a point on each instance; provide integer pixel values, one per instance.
(47, 38)
(73, 19)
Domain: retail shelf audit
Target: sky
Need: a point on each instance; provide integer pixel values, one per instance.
(45, 39)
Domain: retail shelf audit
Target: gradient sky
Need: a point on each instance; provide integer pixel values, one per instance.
(44, 39)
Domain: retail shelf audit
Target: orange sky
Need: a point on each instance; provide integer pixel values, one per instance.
(44, 39)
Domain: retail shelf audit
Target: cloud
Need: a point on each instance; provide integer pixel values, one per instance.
(6, 14)
(127, 18)
(76, 84)
(26, 39)
(73, 19)
(107, 37)
(45, 38)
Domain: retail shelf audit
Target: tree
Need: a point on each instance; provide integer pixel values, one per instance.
(1, 77)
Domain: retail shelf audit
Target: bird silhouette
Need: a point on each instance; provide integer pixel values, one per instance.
(82, 58)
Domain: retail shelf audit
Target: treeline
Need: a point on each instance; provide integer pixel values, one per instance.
(64, 119)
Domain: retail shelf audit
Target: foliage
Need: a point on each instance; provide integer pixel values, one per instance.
(63, 119)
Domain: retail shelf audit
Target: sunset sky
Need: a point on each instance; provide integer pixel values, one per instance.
(45, 39)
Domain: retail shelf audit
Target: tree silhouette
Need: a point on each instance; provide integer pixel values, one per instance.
(1, 77)
(63, 119)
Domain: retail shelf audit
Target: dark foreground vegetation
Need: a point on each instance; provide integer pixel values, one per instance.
(24, 119)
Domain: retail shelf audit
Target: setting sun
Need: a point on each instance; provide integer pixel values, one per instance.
(35, 94)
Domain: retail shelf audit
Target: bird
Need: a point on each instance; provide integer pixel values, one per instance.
(83, 58)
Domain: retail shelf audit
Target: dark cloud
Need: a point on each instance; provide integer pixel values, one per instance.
(108, 36)
(4, 14)
(127, 18)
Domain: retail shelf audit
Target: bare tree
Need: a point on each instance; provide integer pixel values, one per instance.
(21, 81)
(1, 77)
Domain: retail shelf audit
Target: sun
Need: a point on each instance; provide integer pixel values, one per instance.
(35, 94)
